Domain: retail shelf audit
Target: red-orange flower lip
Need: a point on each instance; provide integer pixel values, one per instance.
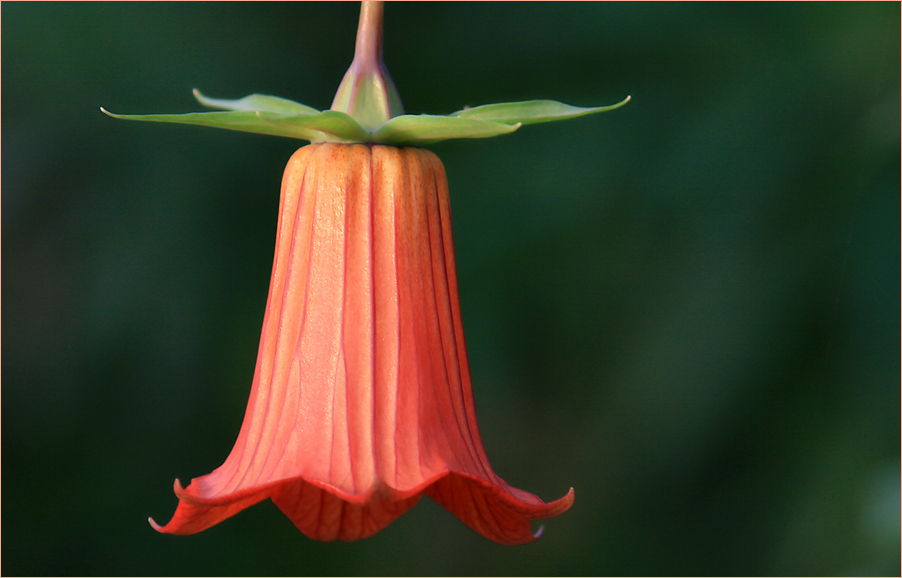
(361, 400)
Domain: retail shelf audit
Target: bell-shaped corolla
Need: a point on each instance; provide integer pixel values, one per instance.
(361, 400)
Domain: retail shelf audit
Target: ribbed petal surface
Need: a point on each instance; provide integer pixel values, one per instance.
(361, 400)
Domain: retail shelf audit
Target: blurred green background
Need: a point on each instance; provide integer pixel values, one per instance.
(688, 308)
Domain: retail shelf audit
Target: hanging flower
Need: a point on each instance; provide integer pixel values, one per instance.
(361, 400)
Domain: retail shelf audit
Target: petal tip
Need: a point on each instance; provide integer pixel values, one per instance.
(178, 489)
(567, 501)
(558, 506)
(154, 525)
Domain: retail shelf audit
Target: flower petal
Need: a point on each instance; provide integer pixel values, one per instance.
(492, 510)
(361, 399)
(195, 514)
(322, 515)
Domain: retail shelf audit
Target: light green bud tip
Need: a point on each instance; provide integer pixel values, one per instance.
(367, 107)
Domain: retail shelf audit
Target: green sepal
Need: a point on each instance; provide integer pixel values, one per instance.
(333, 125)
(531, 111)
(411, 129)
(276, 116)
(256, 102)
(245, 121)
(407, 129)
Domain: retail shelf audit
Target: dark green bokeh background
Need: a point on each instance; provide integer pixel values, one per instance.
(688, 308)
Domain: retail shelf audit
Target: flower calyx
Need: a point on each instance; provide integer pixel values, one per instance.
(367, 107)
(276, 116)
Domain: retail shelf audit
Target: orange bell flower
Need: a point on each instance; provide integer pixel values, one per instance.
(361, 400)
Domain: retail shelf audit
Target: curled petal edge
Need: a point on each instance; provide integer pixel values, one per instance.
(474, 500)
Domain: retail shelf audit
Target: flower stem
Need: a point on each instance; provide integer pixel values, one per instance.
(369, 32)
(367, 91)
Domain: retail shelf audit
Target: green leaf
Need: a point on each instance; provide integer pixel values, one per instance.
(255, 103)
(245, 121)
(426, 128)
(531, 111)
